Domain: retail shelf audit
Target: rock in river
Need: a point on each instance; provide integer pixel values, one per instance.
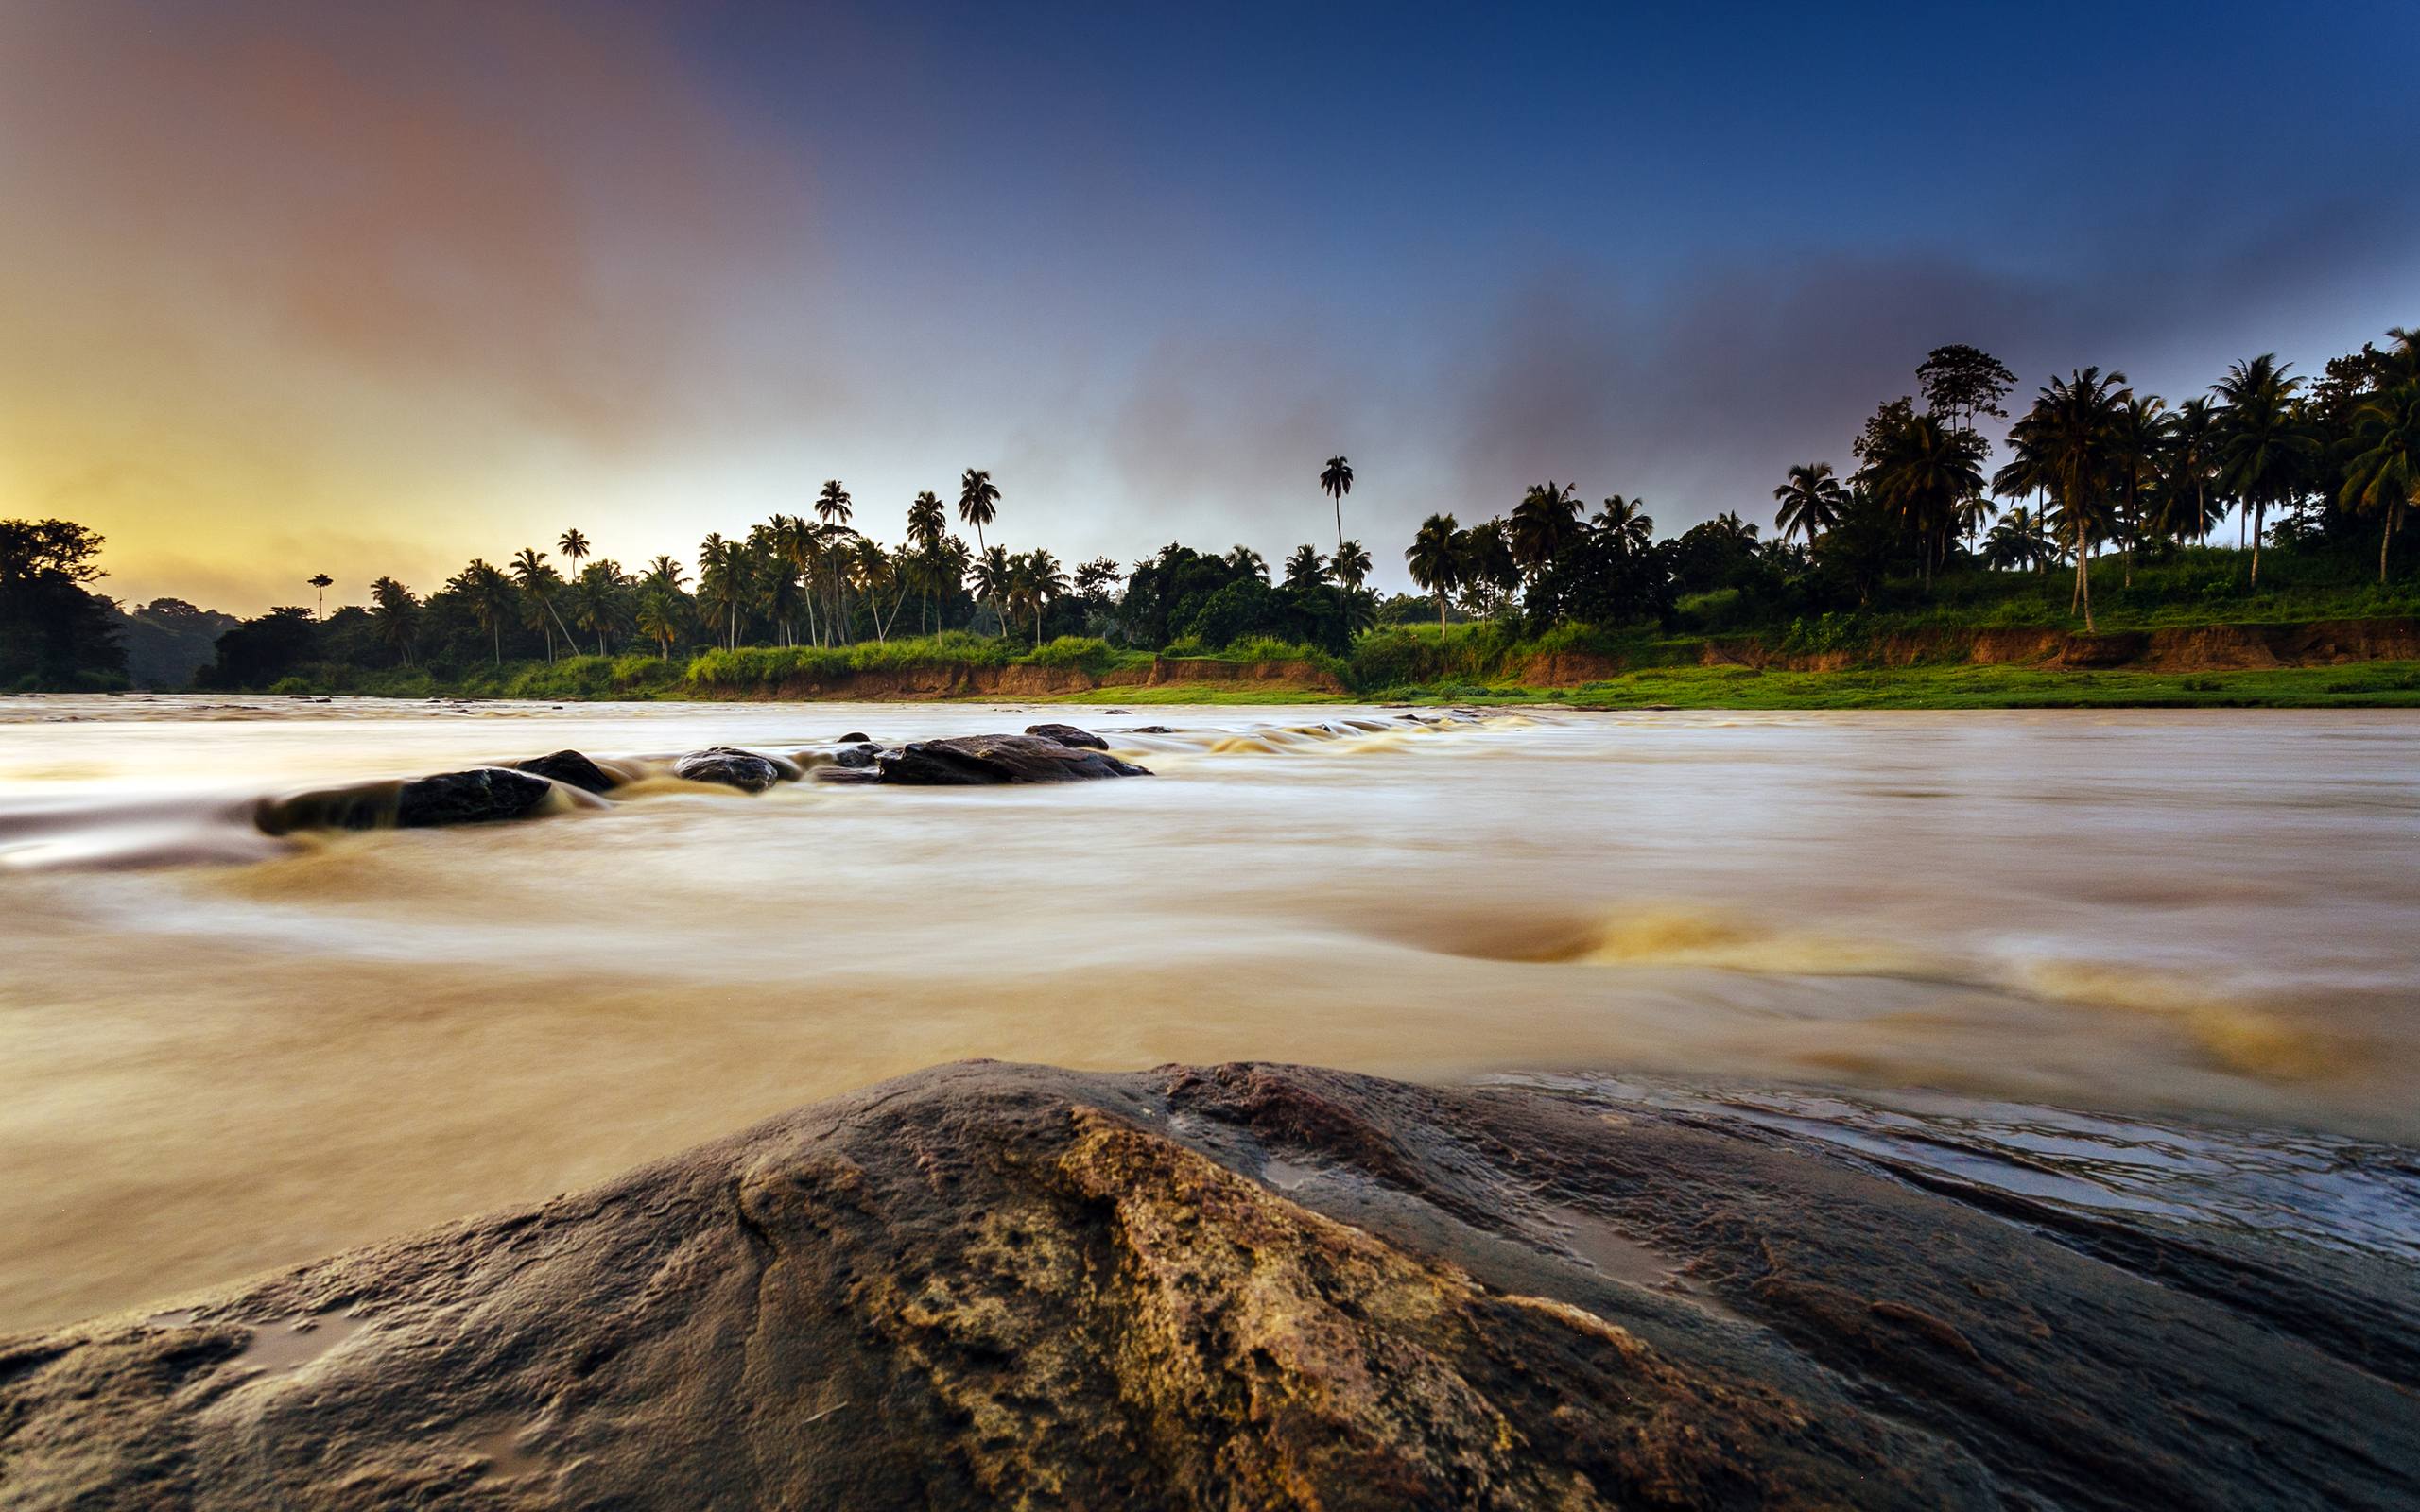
(1246, 1285)
(743, 769)
(1068, 735)
(572, 769)
(479, 795)
(971, 761)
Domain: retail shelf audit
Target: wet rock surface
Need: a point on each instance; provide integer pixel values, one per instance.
(977, 760)
(482, 794)
(1068, 735)
(729, 767)
(572, 769)
(1244, 1286)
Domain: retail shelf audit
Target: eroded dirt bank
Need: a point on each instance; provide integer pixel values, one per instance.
(2179, 649)
(1246, 1286)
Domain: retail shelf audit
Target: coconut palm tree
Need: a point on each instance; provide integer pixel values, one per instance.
(1043, 582)
(1351, 567)
(1248, 562)
(1485, 571)
(2385, 473)
(1336, 481)
(1810, 502)
(538, 582)
(724, 570)
(322, 582)
(574, 546)
(2065, 444)
(926, 523)
(1543, 523)
(990, 576)
(2190, 469)
(2021, 539)
(397, 614)
(659, 618)
(978, 503)
(1625, 524)
(1434, 558)
(2262, 437)
(2137, 445)
(596, 599)
(492, 598)
(1305, 568)
(1922, 472)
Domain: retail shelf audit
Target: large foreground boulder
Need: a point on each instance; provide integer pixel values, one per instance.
(975, 761)
(1244, 1286)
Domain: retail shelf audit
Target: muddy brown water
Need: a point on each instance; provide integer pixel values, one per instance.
(220, 1053)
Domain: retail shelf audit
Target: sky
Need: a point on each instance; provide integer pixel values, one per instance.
(298, 285)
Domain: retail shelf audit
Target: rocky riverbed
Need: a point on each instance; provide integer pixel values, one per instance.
(1253, 1285)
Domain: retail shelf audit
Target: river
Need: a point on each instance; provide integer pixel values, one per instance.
(220, 1052)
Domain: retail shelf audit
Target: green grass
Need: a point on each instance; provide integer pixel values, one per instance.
(2371, 684)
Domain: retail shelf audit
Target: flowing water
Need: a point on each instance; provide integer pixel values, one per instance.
(221, 1051)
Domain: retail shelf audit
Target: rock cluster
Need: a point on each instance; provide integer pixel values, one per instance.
(488, 794)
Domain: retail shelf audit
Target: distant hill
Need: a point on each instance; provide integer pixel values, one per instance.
(166, 639)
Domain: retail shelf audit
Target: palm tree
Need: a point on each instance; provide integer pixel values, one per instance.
(1626, 523)
(490, 596)
(2021, 539)
(1434, 559)
(2065, 444)
(1485, 569)
(659, 618)
(992, 576)
(596, 599)
(574, 546)
(2137, 445)
(1305, 568)
(1543, 523)
(1810, 502)
(1351, 567)
(1336, 481)
(537, 582)
(1922, 472)
(723, 574)
(2385, 473)
(2262, 436)
(1247, 563)
(1039, 580)
(2192, 462)
(320, 581)
(979, 502)
(396, 612)
(926, 523)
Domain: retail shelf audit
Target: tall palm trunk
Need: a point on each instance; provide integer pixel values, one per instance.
(2259, 514)
(1440, 619)
(2084, 581)
(2386, 538)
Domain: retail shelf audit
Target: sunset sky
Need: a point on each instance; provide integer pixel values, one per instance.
(300, 285)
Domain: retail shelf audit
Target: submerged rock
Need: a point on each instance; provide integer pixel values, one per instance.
(1068, 735)
(862, 755)
(989, 1285)
(572, 769)
(731, 767)
(855, 737)
(970, 761)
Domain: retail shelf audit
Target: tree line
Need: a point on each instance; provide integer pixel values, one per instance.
(2090, 467)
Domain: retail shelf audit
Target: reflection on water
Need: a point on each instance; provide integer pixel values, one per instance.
(272, 1048)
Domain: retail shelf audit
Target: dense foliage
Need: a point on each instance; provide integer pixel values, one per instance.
(1930, 520)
